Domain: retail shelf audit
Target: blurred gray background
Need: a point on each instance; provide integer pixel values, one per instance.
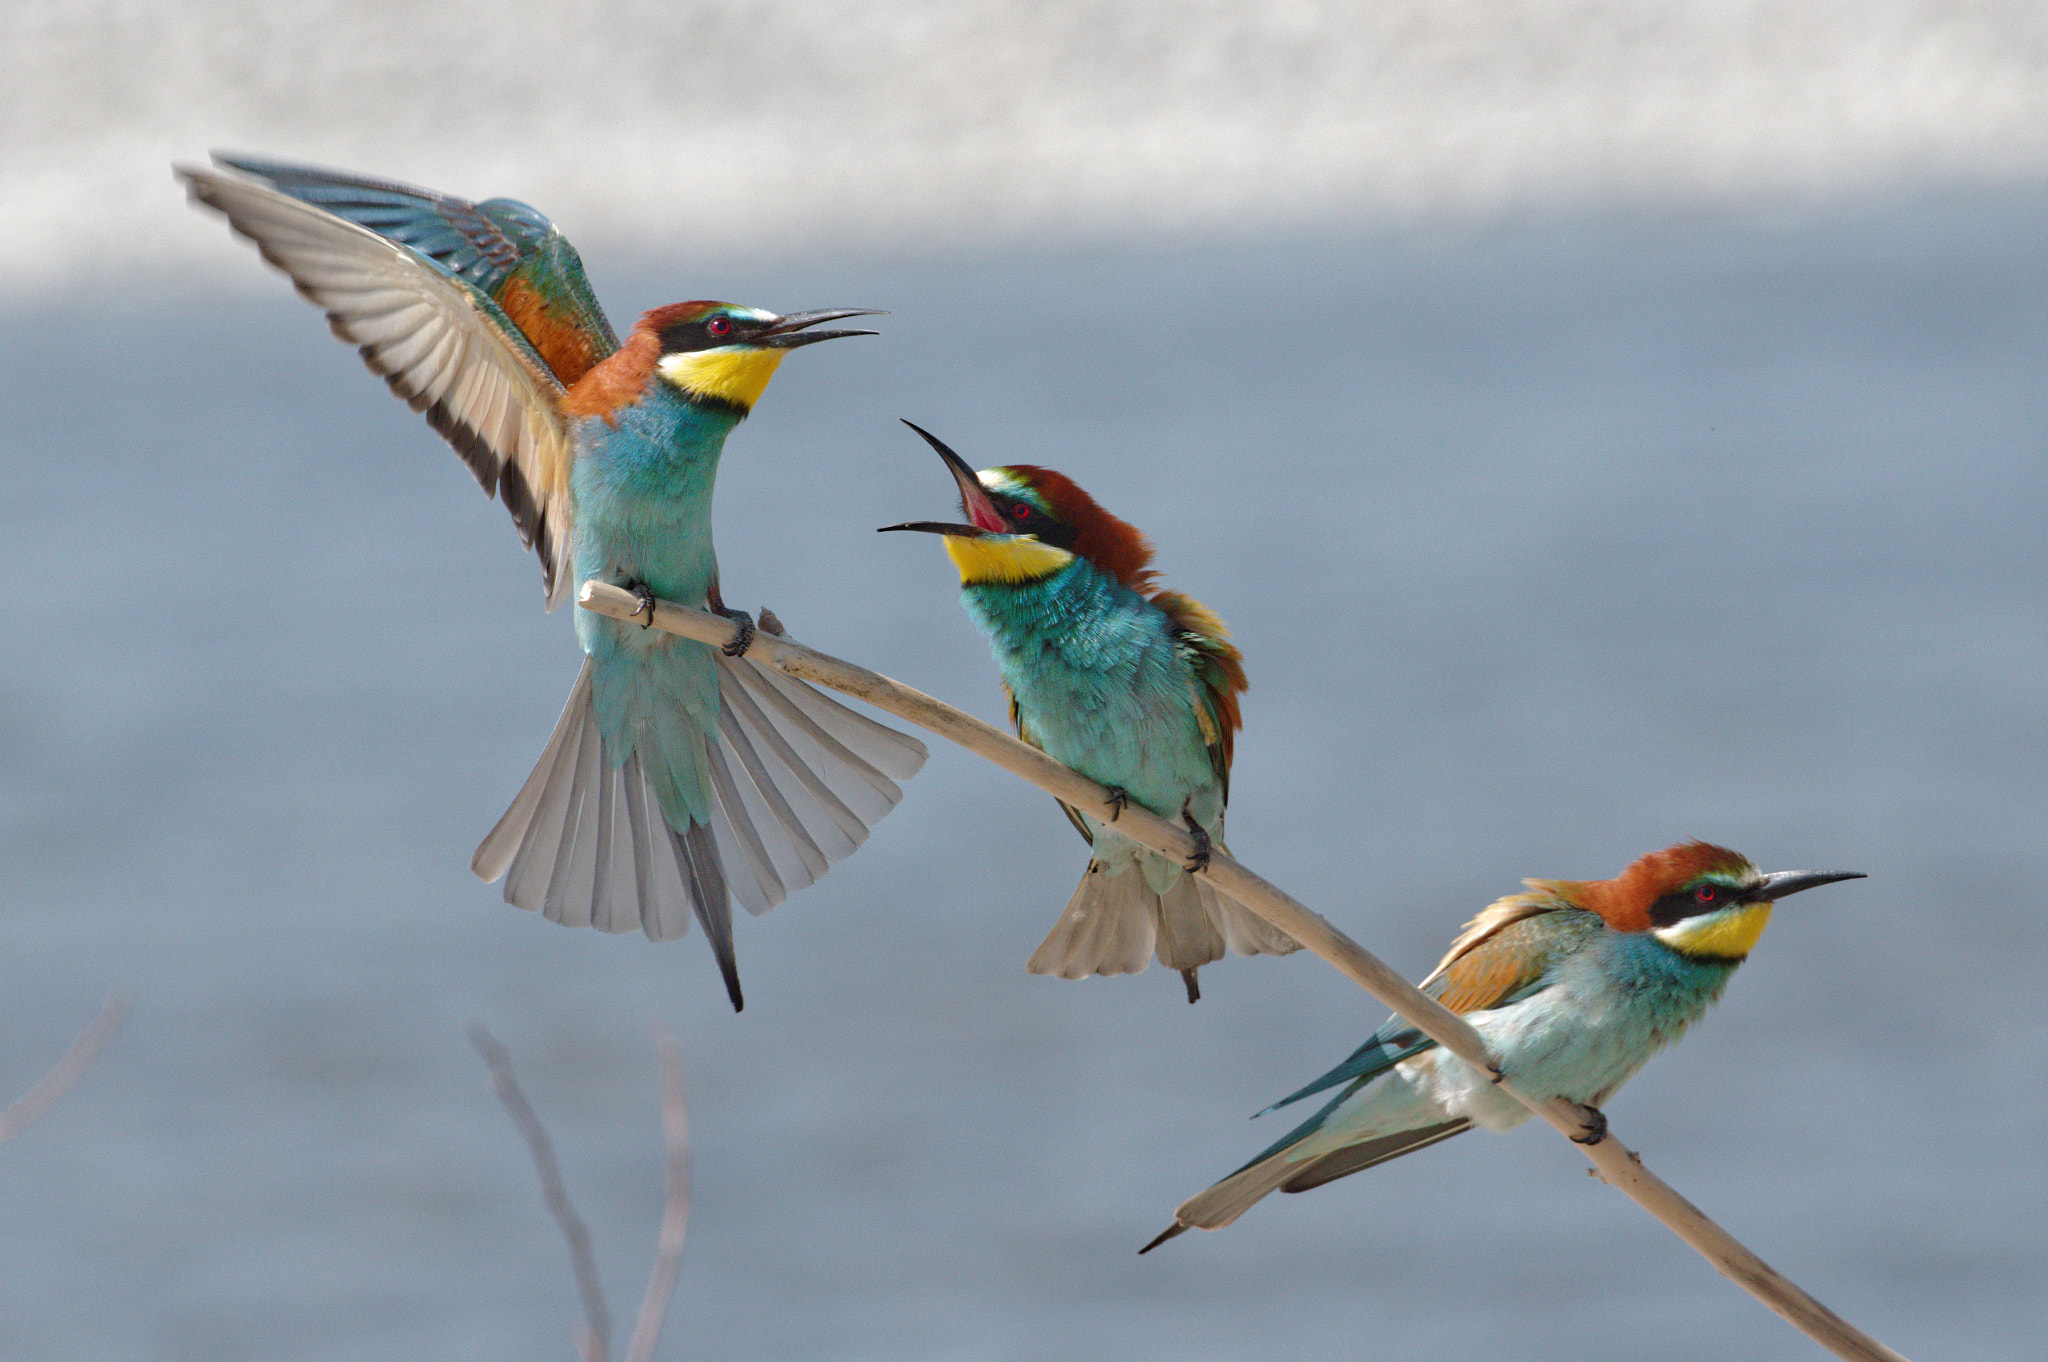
(1601, 423)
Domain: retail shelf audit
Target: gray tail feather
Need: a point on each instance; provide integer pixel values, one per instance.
(1187, 937)
(797, 780)
(1232, 1197)
(1244, 931)
(1356, 1158)
(1108, 927)
(1113, 923)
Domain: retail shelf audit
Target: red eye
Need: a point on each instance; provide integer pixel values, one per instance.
(1020, 512)
(719, 326)
(1707, 893)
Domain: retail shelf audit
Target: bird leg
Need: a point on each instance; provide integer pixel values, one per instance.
(1187, 976)
(1595, 1128)
(645, 595)
(1203, 847)
(738, 647)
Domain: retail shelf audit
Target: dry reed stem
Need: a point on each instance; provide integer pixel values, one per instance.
(1617, 1165)
(595, 1341)
(27, 1109)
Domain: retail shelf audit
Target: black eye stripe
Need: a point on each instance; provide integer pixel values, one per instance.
(1685, 903)
(700, 335)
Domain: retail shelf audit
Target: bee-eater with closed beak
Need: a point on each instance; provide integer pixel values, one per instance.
(1133, 687)
(1573, 986)
(680, 776)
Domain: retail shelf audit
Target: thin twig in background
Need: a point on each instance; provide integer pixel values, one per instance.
(675, 1211)
(26, 1110)
(1616, 1164)
(595, 1343)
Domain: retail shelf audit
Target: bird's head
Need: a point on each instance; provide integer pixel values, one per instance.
(1023, 523)
(722, 355)
(1705, 902)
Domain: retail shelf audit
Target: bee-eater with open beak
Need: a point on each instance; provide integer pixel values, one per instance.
(680, 776)
(1573, 986)
(1133, 687)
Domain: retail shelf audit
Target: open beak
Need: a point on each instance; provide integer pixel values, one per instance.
(974, 502)
(1785, 883)
(787, 333)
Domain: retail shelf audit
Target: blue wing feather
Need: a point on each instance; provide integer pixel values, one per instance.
(506, 250)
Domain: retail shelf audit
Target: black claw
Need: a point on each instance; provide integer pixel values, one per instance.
(1204, 848)
(1119, 800)
(645, 596)
(1595, 1129)
(738, 647)
(1499, 1074)
(1187, 977)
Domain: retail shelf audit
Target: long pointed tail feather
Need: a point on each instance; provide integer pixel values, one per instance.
(1228, 1199)
(1284, 1171)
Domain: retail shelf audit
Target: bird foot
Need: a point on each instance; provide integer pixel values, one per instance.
(1497, 1075)
(1595, 1128)
(1204, 848)
(738, 647)
(1119, 800)
(1187, 976)
(645, 596)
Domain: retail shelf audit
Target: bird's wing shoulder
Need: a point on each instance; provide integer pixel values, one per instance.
(506, 249)
(441, 343)
(1500, 957)
(1216, 670)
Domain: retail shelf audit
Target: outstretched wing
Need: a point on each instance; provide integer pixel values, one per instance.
(1217, 668)
(442, 343)
(506, 249)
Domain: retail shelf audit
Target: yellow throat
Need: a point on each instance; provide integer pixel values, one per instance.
(1726, 935)
(1008, 559)
(731, 373)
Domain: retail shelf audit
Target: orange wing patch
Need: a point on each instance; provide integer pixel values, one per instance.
(1495, 955)
(616, 381)
(568, 349)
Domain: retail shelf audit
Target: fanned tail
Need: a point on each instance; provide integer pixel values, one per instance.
(1115, 920)
(1244, 931)
(1108, 927)
(800, 780)
(797, 781)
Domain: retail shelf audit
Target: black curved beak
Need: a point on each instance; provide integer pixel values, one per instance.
(974, 502)
(936, 527)
(788, 332)
(1781, 884)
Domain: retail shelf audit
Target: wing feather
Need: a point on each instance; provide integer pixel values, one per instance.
(442, 344)
(1217, 674)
